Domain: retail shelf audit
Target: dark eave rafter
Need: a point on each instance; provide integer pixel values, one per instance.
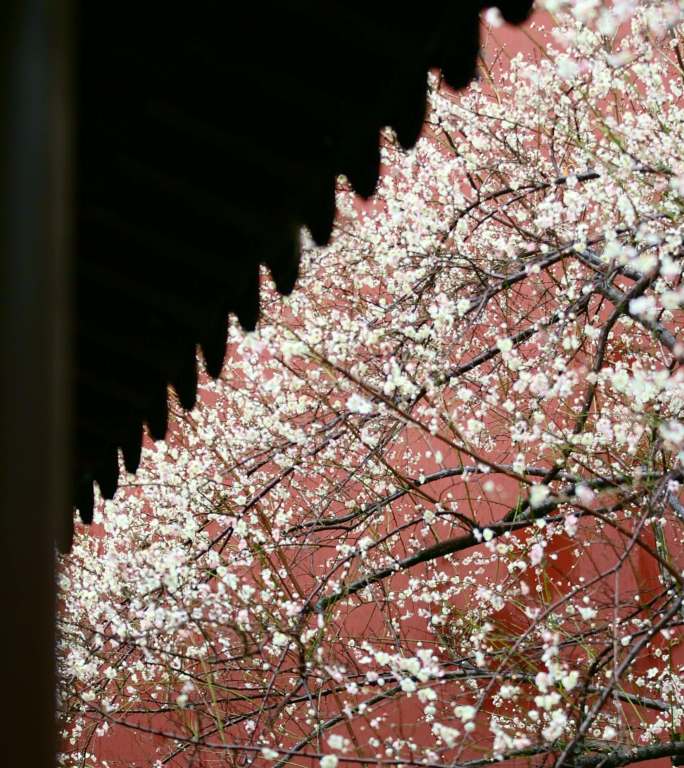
(206, 137)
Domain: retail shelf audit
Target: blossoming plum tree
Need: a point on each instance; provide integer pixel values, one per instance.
(431, 513)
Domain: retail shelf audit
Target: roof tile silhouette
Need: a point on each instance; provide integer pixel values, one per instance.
(207, 135)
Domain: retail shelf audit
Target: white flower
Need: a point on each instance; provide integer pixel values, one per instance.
(408, 685)
(570, 680)
(358, 404)
(643, 306)
(677, 184)
(335, 741)
(543, 681)
(493, 17)
(504, 345)
(556, 725)
(269, 754)
(462, 306)
(465, 713)
(540, 384)
(620, 380)
(538, 495)
(548, 700)
(536, 554)
(584, 493)
(509, 691)
(329, 761)
(673, 432)
(447, 734)
(570, 524)
(585, 10)
(567, 68)
(427, 694)
(475, 426)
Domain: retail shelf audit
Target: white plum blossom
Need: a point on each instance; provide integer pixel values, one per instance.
(536, 554)
(465, 713)
(432, 510)
(557, 724)
(358, 404)
(538, 495)
(335, 741)
(586, 612)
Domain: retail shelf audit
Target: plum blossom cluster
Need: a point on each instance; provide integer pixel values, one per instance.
(432, 512)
